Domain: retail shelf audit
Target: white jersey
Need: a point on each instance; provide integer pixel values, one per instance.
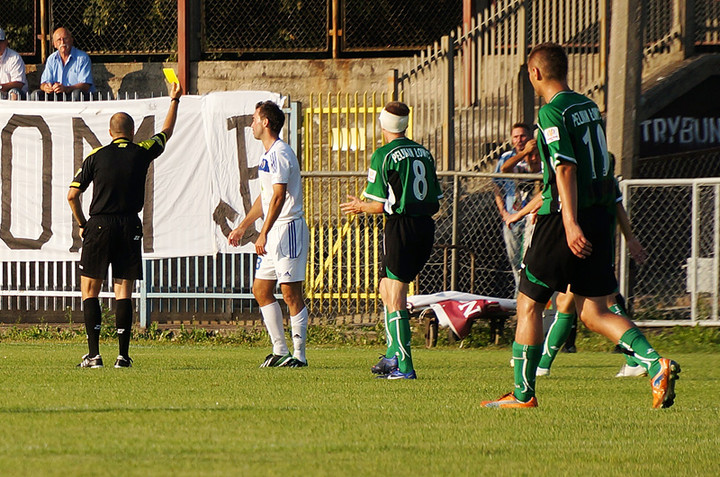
(279, 165)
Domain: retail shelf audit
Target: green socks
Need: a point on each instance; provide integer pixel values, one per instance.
(526, 359)
(391, 343)
(557, 335)
(619, 310)
(635, 342)
(399, 333)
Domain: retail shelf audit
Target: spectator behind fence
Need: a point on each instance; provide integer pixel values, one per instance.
(511, 195)
(13, 81)
(68, 71)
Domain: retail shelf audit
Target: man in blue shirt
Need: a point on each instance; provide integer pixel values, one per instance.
(512, 195)
(68, 71)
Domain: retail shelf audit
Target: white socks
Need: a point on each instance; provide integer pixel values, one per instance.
(272, 315)
(299, 324)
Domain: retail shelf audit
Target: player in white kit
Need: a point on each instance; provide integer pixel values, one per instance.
(282, 243)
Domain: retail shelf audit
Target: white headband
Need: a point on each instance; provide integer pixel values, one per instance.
(392, 122)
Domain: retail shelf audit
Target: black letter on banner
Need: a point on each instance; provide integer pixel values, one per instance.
(143, 133)
(20, 121)
(223, 211)
(81, 132)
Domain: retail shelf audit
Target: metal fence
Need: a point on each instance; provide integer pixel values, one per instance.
(19, 19)
(273, 25)
(689, 165)
(472, 86)
(396, 25)
(118, 26)
(678, 222)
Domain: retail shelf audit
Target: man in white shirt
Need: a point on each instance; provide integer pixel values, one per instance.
(282, 244)
(13, 81)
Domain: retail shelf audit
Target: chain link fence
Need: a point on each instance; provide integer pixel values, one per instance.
(118, 26)
(269, 26)
(687, 165)
(19, 20)
(678, 223)
(707, 23)
(397, 24)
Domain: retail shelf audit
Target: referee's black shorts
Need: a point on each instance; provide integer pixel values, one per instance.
(551, 266)
(112, 239)
(407, 245)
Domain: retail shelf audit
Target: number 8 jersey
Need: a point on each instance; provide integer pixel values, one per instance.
(572, 131)
(402, 176)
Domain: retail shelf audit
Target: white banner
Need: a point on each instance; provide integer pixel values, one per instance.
(201, 185)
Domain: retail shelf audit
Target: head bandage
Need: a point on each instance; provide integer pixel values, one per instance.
(393, 123)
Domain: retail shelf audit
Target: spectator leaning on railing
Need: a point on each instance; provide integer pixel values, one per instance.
(68, 71)
(13, 81)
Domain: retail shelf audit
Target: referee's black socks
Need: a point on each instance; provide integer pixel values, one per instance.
(93, 320)
(123, 323)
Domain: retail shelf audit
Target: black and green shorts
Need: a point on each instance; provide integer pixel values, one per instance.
(407, 245)
(551, 266)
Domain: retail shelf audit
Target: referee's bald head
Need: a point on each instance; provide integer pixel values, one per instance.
(122, 125)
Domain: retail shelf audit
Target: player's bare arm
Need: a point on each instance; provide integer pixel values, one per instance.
(530, 147)
(253, 214)
(357, 206)
(637, 252)
(74, 200)
(499, 202)
(276, 204)
(567, 190)
(530, 208)
(175, 92)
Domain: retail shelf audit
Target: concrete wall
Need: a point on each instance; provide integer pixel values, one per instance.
(296, 78)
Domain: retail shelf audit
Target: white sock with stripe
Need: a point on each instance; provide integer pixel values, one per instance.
(272, 316)
(299, 324)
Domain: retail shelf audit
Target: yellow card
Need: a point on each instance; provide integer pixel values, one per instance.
(170, 75)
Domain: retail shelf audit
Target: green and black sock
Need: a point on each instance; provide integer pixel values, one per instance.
(526, 359)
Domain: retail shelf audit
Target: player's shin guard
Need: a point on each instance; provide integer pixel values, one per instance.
(389, 340)
(557, 335)
(93, 320)
(620, 311)
(299, 324)
(123, 323)
(399, 329)
(272, 316)
(634, 342)
(526, 359)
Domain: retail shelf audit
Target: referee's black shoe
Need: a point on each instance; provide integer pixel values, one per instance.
(88, 362)
(123, 362)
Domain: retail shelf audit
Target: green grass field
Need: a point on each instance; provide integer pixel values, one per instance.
(209, 410)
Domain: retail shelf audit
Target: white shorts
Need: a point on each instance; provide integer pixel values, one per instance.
(286, 257)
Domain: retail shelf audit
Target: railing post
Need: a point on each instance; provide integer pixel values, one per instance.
(393, 84)
(526, 94)
(447, 46)
(684, 22)
(456, 204)
(144, 310)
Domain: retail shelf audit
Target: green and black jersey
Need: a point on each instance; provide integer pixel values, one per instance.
(572, 131)
(117, 172)
(402, 176)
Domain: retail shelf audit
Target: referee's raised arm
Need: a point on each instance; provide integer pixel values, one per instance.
(175, 93)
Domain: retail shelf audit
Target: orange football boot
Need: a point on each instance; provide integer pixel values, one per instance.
(663, 383)
(510, 401)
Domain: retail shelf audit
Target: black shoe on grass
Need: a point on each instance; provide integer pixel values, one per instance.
(276, 361)
(123, 362)
(88, 362)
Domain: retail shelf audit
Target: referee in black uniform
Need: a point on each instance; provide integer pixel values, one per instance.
(113, 233)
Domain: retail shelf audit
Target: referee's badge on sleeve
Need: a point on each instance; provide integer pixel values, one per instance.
(372, 173)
